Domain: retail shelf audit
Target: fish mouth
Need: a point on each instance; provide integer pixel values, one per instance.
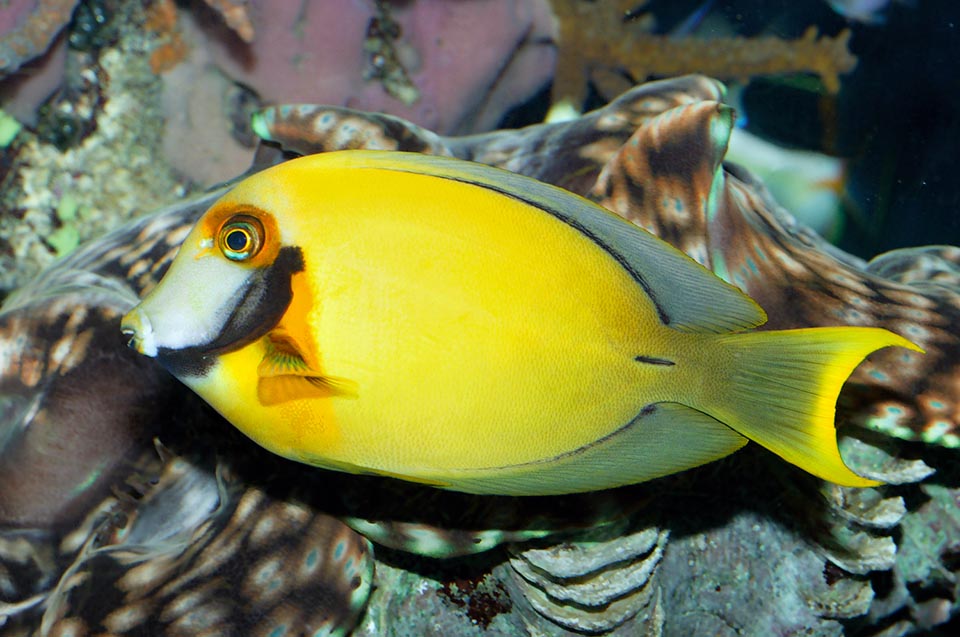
(138, 331)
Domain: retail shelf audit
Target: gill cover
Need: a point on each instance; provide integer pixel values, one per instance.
(229, 286)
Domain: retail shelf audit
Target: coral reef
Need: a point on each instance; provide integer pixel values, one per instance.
(99, 149)
(28, 27)
(151, 79)
(236, 15)
(693, 553)
(429, 61)
(39, 30)
(142, 79)
(89, 505)
(596, 583)
(33, 84)
(600, 41)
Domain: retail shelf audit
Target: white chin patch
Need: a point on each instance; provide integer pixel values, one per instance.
(148, 344)
(192, 304)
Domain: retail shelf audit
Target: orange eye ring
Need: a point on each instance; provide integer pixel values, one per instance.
(241, 237)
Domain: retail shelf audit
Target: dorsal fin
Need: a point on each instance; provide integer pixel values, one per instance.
(689, 297)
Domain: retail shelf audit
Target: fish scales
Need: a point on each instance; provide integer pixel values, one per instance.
(470, 328)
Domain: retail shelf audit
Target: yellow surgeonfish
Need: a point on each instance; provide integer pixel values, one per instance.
(454, 324)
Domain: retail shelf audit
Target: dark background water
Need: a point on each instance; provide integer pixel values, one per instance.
(896, 118)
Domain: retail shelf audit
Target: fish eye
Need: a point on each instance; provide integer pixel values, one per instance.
(241, 237)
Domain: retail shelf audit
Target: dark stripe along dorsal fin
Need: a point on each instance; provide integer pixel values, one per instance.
(688, 296)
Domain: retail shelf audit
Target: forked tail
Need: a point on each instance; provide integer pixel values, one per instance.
(782, 386)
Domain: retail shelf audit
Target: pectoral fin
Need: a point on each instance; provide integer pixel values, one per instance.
(274, 390)
(285, 375)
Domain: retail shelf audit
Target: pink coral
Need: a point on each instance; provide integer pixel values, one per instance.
(27, 28)
(465, 62)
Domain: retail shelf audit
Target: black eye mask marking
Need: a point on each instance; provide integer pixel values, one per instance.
(263, 301)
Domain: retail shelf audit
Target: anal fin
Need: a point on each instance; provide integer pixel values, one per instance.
(664, 438)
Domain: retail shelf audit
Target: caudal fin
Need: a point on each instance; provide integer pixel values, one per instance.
(782, 391)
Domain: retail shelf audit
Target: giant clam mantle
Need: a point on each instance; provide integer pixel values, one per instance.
(204, 530)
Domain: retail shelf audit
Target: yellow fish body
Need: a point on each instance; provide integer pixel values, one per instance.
(450, 323)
